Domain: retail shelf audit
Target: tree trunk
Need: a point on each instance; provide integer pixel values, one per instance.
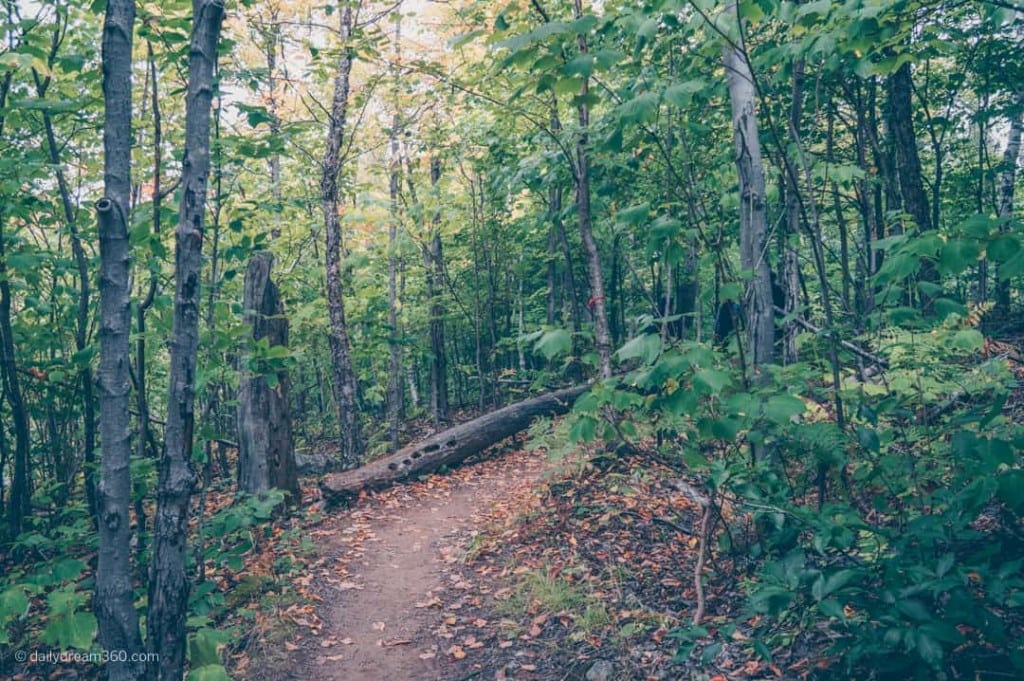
(394, 394)
(1007, 181)
(168, 588)
(21, 487)
(450, 446)
(753, 222)
(266, 453)
(433, 262)
(145, 442)
(790, 237)
(345, 388)
(113, 602)
(272, 42)
(602, 334)
(84, 293)
(908, 164)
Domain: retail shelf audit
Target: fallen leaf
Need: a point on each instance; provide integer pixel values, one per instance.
(428, 655)
(379, 626)
(457, 652)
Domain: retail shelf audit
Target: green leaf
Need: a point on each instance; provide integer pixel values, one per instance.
(567, 86)
(584, 24)
(613, 142)
(645, 33)
(957, 255)
(818, 588)
(930, 649)
(868, 439)
(838, 580)
(278, 352)
(13, 604)
(70, 630)
(970, 340)
(712, 379)
(1011, 489)
(751, 11)
(832, 608)
(1003, 247)
(584, 429)
(581, 65)
(782, 408)
(914, 609)
(640, 109)
(554, 343)
(255, 114)
(606, 58)
(210, 672)
(203, 647)
(681, 94)
(67, 570)
(635, 215)
(646, 347)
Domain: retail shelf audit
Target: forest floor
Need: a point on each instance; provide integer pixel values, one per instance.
(512, 567)
(386, 576)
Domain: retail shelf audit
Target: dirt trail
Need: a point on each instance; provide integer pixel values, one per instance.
(386, 563)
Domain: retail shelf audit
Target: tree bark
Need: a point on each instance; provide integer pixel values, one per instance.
(602, 334)
(266, 452)
(168, 588)
(1007, 182)
(345, 388)
(433, 261)
(790, 237)
(113, 602)
(85, 378)
(450, 446)
(753, 221)
(21, 484)
(908, 164)
(394, 394)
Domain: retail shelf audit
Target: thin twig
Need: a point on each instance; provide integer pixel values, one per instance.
(702, 554)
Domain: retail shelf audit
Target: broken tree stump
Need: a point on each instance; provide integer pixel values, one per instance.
(266, 452)
(449, 446)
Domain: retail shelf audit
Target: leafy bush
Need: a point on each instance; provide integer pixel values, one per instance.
(911, 564)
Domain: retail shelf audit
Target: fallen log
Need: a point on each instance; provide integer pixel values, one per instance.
(449, 446)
